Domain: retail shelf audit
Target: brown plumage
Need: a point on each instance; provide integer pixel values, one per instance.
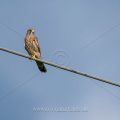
(33, 48)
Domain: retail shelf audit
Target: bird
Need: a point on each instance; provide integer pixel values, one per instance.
(32, 46)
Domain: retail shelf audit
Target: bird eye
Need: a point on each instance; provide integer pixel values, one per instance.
(30, 31)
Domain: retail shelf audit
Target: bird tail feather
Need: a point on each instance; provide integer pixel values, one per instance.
(41, 66)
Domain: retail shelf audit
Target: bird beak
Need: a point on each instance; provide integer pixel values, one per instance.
(33, 30)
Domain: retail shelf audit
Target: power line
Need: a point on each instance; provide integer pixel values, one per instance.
(61, 67)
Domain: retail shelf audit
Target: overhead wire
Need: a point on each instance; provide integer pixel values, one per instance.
(62, 67)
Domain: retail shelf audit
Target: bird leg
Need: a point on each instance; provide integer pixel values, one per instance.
(33, 56)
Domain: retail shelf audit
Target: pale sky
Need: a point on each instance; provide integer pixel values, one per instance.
(80, 34)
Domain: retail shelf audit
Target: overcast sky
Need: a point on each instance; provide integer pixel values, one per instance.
(80, 34)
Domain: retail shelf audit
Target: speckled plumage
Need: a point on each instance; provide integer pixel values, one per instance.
(33, 48)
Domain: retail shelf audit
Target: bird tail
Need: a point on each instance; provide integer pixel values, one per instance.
(41, 66)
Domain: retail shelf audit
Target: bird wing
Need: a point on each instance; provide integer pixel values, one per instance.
(37, 44)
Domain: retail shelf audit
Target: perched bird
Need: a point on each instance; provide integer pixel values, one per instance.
(33, 48)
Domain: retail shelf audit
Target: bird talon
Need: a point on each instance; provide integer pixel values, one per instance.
(33, 56)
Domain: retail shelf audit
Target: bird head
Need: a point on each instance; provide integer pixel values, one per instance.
(29, 31)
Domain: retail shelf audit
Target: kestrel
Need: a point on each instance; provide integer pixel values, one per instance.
(33, 48)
